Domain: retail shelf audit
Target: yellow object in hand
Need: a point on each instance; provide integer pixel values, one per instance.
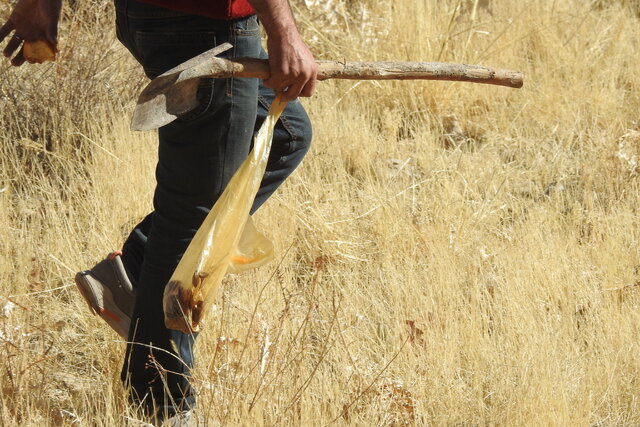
(39, 51)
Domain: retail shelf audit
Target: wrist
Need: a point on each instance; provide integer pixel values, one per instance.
(283, 36)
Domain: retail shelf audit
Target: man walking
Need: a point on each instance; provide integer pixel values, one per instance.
(197, 156)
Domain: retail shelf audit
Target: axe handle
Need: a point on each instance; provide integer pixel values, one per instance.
(259, 68)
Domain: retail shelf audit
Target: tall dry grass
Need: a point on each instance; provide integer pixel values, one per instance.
(447, 254)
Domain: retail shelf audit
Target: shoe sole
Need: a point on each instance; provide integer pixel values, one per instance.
(118, 320)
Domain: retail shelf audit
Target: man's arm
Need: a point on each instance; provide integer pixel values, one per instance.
(292, 65)
(32, 20)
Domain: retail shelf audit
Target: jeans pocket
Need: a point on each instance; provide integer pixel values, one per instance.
(246, 27)
(161, 51)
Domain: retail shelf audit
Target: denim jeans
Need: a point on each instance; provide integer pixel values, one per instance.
(197, 156)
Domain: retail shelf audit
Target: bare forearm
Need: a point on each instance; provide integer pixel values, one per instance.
(276, 17)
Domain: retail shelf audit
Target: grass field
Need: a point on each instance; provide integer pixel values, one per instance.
(447, 254)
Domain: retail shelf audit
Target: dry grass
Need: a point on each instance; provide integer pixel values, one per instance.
(454, 254)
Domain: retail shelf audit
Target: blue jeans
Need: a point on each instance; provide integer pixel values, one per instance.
(197, 156)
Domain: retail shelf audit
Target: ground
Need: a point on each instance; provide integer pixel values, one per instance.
(448, 253)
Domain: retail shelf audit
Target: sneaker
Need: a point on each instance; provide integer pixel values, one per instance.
(109, 293)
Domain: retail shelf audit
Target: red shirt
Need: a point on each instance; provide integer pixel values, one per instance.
(217, 9)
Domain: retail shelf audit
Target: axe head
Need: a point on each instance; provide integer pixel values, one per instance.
(174, 92)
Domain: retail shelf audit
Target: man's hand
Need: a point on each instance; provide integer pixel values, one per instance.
(32, 21)
(293, 69)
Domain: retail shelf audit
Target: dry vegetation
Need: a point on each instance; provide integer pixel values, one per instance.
(448, 253)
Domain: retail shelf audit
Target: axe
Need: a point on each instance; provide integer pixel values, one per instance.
(174, 93)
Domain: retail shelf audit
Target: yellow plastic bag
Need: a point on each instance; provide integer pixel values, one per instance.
(227, 240)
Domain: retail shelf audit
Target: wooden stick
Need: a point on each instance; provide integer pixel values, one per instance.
(259, 68)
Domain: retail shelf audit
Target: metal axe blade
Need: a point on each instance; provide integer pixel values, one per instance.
(174, 92)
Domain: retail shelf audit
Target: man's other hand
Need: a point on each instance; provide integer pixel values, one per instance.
(31, 21)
